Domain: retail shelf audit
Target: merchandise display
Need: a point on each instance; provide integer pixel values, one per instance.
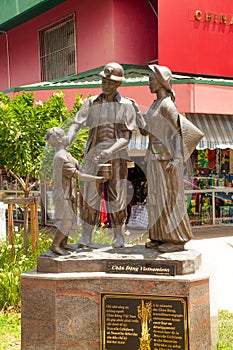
(209, 197)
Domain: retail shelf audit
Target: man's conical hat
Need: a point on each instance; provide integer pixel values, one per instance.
(191, 136)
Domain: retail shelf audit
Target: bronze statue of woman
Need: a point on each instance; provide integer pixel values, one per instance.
(172, 138)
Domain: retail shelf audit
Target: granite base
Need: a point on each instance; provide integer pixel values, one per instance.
(62, 310)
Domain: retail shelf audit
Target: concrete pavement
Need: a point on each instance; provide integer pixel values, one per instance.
(216, 247)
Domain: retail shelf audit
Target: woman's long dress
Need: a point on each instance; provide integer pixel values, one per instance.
(168, 218)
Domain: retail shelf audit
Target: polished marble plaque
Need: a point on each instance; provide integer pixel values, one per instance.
(144, 322)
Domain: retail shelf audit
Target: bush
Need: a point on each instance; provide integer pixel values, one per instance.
(225, 325)
(13, 263)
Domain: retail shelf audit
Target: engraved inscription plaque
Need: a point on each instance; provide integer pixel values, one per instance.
(141, 268)
(144, 322)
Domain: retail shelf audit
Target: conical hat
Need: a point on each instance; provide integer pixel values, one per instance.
(164, 76)
(191, 136)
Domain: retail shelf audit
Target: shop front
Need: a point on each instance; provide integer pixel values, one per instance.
(208, 178)
(210, 198)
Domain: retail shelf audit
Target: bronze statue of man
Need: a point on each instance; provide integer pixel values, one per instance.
(172, 138)
(110, 119)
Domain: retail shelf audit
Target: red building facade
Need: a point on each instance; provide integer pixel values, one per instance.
(108, 30)
(192, 39)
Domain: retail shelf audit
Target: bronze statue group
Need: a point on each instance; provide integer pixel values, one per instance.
(111, 119)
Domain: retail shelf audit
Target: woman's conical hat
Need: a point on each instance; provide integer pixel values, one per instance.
(164, 76)
(191, 136)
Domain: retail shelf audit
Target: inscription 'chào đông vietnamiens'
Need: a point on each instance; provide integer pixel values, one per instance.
(152, 268)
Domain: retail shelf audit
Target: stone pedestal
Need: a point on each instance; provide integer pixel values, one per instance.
(62, 310)
(98, 258)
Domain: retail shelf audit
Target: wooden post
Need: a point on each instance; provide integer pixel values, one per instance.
(32, 217)
(11, 228)
(33, 202)
(43, 203)
(34, 225)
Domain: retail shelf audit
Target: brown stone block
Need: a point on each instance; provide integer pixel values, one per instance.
(133, 285)
(172, 286)
(85, 286)
(144, 285)
(38, 346)
(36, 332)
(200, 329)
(38, 299)
(79, 345)
(74, 313)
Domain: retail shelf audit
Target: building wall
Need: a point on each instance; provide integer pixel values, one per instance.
(107, 30)
(140, 93)
(202, 98)
(196, 36)
(126, 31)
(136, 36)
(190, 98)
(4, 73)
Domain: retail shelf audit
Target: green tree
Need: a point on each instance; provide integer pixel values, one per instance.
(23, 125)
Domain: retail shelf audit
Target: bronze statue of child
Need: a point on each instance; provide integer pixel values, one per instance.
(66, 170)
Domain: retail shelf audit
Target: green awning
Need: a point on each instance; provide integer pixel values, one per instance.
(136, 75)
(16, 12)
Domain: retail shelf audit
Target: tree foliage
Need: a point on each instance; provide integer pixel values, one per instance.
(23, 125)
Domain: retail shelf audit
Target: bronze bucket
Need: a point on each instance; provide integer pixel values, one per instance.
(105, 170)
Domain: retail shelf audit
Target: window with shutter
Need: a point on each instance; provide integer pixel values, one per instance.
(58, 49)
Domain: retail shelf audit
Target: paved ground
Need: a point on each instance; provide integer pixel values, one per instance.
(216, 246)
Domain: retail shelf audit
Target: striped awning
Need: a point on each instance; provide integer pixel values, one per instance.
(217, 129)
